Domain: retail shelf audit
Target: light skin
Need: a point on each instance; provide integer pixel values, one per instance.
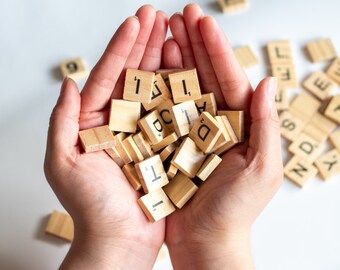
(213, 230)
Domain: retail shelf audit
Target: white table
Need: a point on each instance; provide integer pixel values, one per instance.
(298, 230)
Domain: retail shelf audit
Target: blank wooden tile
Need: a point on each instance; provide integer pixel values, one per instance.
(167, 151)
(156, 205)
(184, 116)
(132, 148)
(180, 190)
(124, 115)
(153, 127)
(333, 109)
(151, 174)
(236, 120)
(138, 85)
(245, 56)
(188, 158)
(333, 71)
(319, 84)
(285, 74)
(205, 132)
(279, 52)
(329, 164)
(228, 6)
(96, 139)
(160, 93)
(74, 68)
(320, 50)
(171, 138)
(171, 171)
(142, 144)
(60, 225)
(121, 150)
(209, 165)
(164, 111)
(304, 106)
(306, 147)
(184, 86)
(113, 153)
(132, 176)
(207, 103)
(299, 171)
(290, 125)
(281, 99)
(233, 138)
(319, 127)
(335, 139)
(224, 137)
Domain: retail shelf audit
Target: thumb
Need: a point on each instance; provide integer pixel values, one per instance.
(264, 140)
(64, 126)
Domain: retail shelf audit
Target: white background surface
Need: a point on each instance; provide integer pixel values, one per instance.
(298, 230)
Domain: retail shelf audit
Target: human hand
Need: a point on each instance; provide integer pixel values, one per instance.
(213, 230)
(111, 231)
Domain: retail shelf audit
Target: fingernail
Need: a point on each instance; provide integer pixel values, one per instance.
(133, 17)
(271, 87)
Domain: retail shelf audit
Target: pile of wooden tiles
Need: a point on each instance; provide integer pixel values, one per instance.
(174, 145)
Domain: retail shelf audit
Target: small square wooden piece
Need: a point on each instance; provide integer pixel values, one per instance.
(228, 6)
(333, 109)
(320, 50)
(143, 145)
(290, 125)
(285, 74)
(132, 176)
(207, 103)
(209, 165)
(333, 70)
(335, 139)
(319, 84)
(60, 225)
(132, 148)
(279, 52)
(96, 139)
(246, 57)
(74, 68)
(281, 99)
(164, 111)
(328, 164)
(236, 120)
(304, 106)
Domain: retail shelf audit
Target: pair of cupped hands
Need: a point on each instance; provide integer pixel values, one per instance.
(213, 230)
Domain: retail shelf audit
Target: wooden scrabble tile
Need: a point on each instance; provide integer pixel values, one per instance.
(228, 6)
(121, 150)
(319, 84)
(160, 93)
(165, 74)
(156, 205)
(60, 225)
(209, 165)
(304, 106)
(167, 151)
(132, 176)
(285, 74)
(142, 144)
(153, 127)
(306, 147)
(96, 139)
(171, 138)
(224, 137)
(184, 116)
(281, 99)
(124, 115)
(236, 120)
(333, 109)
(290, 125)
(335, 139)
(328, 164)
(74, 68)
(133, 149)
(320, 50)
(172, 171)
(151, 174)
(279, 52)
(164, 111)
(333, 70)
(180, 190)
(138, 85)
(188, 158)
(299, 171)
(245, 56)
(184, 86)
(113, 153)
(207, 103)
(319, 127)
(205, 132)
(233, 138)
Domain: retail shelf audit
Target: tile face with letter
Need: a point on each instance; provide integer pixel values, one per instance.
(334, 70)
(319, 84)
(184, 116)
(74, 68)
(329, 164)
(333, 109)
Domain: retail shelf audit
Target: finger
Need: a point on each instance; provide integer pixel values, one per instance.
(172, 57)
(152, 57)
(102, 80)
(264, 140)
(230, 75)
(64, 127)
(192, 16)
(179, 32)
